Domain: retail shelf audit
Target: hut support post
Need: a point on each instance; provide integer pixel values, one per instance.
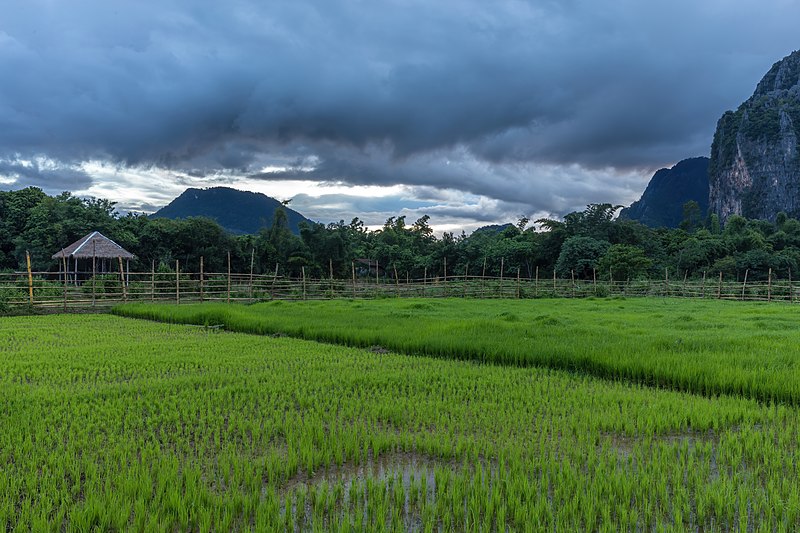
(64, 264)
(94, 271)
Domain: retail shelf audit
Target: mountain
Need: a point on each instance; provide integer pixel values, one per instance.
(661, 204)
(755, 166)
(240, 212)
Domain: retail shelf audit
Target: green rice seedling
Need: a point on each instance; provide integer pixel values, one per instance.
(119, 424)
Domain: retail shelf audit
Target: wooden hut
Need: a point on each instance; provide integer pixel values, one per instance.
(90, 255)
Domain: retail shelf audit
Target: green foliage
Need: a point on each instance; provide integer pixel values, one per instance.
(624, 262)
(580, 255)
(32, 221)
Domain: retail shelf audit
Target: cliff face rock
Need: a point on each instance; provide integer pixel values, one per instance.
(755, 166)
(661, 204)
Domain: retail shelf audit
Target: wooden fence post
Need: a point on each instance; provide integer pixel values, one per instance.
(666, 281)
(791, 289)
(554, 283)
(610, 281)
(252, 260)
(445, 276)
(122, 279)
(502, 269)
(303, 271)
(228, 299)
(518, 283)
(594, 280)
(274, 279)
(719, 287)
(353, 268)
(536, 285)
(201, 279)
(769, 285)
(744, 285)
(483, 279)
(153, 280)
(424, 279)
(30, 278)
(572, 272)
(396, 281)
(330, 267)
(177, 282)
(466, 278)
(704, 285)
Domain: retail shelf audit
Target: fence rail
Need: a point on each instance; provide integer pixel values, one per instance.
(79, 290)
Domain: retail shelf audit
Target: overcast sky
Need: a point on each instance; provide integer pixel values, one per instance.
(474, 112)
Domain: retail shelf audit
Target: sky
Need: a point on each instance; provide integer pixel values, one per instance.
(472, 112)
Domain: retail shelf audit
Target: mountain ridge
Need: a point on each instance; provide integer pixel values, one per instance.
(239, 212)
(661, 203)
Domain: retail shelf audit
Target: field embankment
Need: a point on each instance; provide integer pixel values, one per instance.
(704, 347)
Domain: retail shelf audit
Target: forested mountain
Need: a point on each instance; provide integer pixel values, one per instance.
(239, 212)
(584, 243)
(663, 200)
(755, 162)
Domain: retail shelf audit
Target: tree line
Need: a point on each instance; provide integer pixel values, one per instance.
(586, 244)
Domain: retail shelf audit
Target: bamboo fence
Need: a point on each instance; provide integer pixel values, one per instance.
(86, 290)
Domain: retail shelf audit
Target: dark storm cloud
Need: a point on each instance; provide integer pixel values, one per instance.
(497, 87)
(51, 179)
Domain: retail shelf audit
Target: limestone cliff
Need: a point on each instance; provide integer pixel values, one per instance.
(755, 166)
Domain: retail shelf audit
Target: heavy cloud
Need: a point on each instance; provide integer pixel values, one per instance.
(541, 102)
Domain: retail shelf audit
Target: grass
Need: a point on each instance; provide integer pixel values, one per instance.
(114, 424)
(704, 347)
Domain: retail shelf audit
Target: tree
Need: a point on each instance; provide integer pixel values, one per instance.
(623, 262)
(691, 216)
(580, 255)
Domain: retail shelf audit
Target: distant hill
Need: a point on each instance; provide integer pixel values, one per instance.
(661, 204)
(240, 212)
(492, 229)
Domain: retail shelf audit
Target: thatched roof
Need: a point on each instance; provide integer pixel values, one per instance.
(94, 245)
